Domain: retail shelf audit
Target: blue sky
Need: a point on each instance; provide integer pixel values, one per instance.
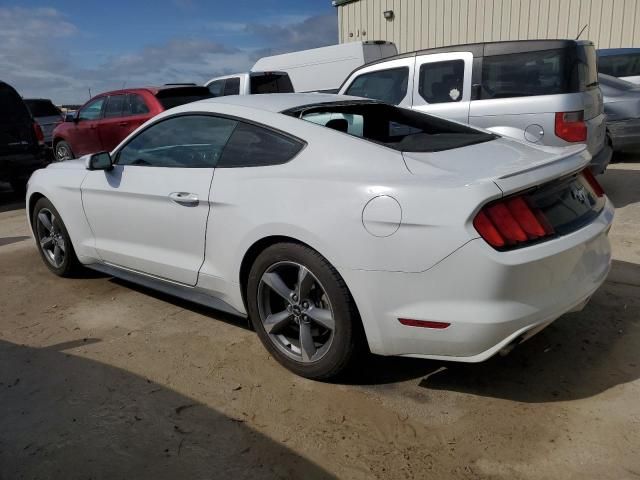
(62, 49)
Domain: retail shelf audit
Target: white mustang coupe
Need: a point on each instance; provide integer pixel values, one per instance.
(336, 224)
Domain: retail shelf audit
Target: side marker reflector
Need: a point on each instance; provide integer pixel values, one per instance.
(423, 323)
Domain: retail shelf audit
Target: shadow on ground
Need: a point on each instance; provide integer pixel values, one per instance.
(64, 416)
(580, 355)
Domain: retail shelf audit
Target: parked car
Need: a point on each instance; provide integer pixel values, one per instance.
(324, 69)
(21, 140)
(102, 122)
(622, 107)
(623, 63)
(413, 235)
(46, 114)
(250, 83)
(540, 91)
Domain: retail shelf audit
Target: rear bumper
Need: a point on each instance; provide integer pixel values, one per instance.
(600, 161)
(489, 298)
(625, 134)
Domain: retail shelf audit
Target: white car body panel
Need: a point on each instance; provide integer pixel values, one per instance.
(432, 266)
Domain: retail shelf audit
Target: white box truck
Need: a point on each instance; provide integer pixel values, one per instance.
(324, 69)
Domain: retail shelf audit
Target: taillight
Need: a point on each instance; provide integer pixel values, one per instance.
(570, 126)
(591, 179)
(511, 222)
(38, 131)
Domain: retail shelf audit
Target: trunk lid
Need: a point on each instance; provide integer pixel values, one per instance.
(511, 165)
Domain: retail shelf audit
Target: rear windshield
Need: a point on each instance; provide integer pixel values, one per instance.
(271, 83)
(173, 97)
(620, 65)
(42, 108)
(545, 72)
(398, 128)
(12, 107)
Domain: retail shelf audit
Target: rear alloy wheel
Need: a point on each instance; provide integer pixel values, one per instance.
(63, 151)
(302, 311)
(53, 239)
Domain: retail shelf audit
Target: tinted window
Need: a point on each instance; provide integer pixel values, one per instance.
(115, 104)
(271, 83)
(232, 86)
(252, 146)
(135, 105)
(172, 97)
(217, 88)
(442, 82)
(190, 141)
(42, 108)
(620, 65)
(524, 74)
(93, 110)
(386, 85)
(398, 128)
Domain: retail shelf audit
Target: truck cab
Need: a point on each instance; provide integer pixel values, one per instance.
(250, 83)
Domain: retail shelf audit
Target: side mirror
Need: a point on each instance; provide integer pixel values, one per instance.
(99, 161)
(70, 117)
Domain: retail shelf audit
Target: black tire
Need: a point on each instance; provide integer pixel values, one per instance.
(348, 338)
(70, 263)
(59, 147)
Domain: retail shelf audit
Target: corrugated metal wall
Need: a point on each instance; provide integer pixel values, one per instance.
(433, 23)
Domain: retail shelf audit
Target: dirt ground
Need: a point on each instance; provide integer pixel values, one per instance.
(104, 379)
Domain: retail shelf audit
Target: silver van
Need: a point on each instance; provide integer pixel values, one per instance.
(540, 91)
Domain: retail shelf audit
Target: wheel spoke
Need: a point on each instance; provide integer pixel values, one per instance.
(277, 285)
(307, 345)
(46, 242)
(277, 321)
(322, 316)
(305, 282)
(54, 228)
(57, 255)
(44, 220)
(62, 246)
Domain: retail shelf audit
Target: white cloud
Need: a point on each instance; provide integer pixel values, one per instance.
(33, 60)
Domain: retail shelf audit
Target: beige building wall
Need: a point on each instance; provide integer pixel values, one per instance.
(421, 24)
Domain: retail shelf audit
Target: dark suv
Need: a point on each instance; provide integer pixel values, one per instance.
(22, 148)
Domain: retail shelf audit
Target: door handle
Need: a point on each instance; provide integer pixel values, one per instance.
(185, 199)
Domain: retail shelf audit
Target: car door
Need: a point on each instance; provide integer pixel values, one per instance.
(84, 136)
(442, 85)
(111, 127)
(149, 213)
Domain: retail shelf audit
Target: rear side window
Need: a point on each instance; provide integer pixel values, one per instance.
(135, 105)
(253, 146)
(173, 97)
(524, 74)
(394, 127)
(115, 105)
(42, 108)
(271, 83)
(620, 65)
(232, 86)
(188, 141)
(385, 85)
(442, 82)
